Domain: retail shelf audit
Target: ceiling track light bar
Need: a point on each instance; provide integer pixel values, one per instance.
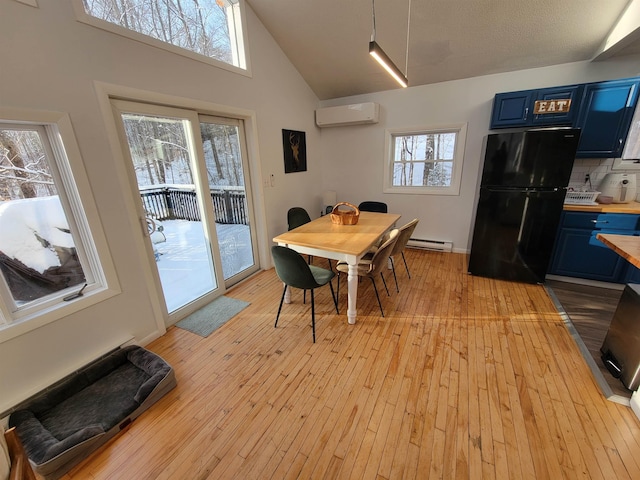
(383, 59)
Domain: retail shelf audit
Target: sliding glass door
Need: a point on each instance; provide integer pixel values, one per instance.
(191, 179)
(224, 146)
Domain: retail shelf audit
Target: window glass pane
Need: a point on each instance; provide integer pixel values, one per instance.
(429, 174)
(162, 160)
(221, 145)
(206, 27)
(423, 160)
(38, 256)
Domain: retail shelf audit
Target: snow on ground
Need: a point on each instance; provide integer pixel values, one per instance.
(183, 262)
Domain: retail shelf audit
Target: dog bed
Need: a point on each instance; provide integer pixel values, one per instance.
(63, 424)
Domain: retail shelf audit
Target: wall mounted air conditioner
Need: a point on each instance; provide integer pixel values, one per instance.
(355, 114)
(430, 244)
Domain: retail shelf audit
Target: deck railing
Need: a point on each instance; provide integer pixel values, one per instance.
(177, 202)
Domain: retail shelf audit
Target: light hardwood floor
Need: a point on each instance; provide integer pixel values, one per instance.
(466, 377)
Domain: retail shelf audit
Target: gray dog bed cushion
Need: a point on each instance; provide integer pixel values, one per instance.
(63, 424)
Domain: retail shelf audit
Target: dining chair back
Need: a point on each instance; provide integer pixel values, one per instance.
(404, 234)
(297, 216)
(371, 206)
(295, 272)
(375, 266)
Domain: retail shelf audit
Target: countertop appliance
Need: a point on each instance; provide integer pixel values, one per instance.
(621, 347)
(621, 187)
(522, 189)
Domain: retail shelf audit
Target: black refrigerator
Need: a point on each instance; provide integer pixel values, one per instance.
(522, 190)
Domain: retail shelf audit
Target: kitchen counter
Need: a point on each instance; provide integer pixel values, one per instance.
(627, 246)
(632, 207)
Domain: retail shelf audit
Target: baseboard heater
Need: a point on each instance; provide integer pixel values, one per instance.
(437, 245)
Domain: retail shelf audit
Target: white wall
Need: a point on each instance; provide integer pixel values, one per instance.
(49, 61)
(354, 155)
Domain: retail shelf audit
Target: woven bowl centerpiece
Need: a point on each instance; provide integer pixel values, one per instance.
(345, 217)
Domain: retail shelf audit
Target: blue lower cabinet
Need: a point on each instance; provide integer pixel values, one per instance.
(578, 253)
(575, 256)
(632, 275)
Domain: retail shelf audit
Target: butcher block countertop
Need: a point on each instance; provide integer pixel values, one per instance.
(627, 246)
(632, 207)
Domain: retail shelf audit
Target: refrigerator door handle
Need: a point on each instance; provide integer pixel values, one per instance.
(523, 219)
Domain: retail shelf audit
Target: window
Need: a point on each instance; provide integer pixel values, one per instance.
(424, 160)
(47, 249)
(207, 30)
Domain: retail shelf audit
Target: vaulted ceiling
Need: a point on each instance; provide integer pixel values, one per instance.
(327, 40)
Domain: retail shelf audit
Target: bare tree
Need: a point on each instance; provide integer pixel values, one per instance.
(224, 164)
(429, 150)
(184, 23)
(24, 171)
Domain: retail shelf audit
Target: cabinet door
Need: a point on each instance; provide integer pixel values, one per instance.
(576, 257)
(632, 275)
(605, 116)
(565, 116)
(512, 109)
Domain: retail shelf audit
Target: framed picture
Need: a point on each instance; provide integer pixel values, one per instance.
(294, 145)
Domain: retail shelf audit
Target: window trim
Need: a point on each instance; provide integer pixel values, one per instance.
(80, 197)
(458, 157)
(241, 42)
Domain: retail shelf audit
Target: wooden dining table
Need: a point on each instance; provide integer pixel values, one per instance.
(346, 243)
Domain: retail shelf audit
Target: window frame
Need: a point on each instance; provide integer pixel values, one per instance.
(460, 129)
(82, 214)
(241, 41)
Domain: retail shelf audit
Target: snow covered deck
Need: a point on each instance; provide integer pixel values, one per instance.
(182, 260)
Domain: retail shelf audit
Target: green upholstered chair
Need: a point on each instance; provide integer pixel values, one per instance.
(297, 216)
(371, 206)
(295, 272)
(375, 266)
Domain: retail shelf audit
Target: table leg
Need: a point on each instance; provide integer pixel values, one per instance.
(352, 281)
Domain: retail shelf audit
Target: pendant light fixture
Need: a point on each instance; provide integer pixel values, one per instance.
(382, 58)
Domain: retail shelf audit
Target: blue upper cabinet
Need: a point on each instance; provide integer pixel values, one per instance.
(512, 109)
(603, 111)
(605, 117)
(557, 105)
(547, 106)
